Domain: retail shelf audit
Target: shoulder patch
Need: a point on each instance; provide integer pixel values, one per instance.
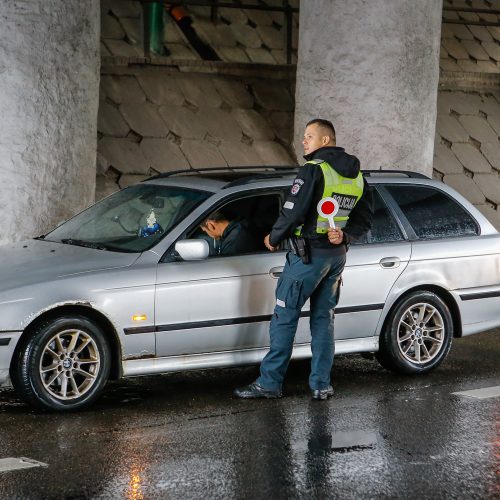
(297, 184)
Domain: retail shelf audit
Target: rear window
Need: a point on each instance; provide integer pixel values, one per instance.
(384, 228)
(432, 213)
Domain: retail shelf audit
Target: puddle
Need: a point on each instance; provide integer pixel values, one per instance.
(338, 442)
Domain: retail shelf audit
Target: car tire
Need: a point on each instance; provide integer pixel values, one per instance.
(417, 335)
(63, 364)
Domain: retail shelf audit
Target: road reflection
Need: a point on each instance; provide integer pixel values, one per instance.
(134, 491)
(183, 436)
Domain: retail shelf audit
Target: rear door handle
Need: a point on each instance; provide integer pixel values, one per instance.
(390, 262)
(275, 272)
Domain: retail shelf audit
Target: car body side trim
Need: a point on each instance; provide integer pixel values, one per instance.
(215, 322)
(137, 367)
(355, 309)
(138, 329)
(238, 321)
(5, 341)
(480, 295)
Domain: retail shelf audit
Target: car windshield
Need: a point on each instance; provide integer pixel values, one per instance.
(131, 220)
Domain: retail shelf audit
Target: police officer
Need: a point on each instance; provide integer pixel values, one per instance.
(313, 270)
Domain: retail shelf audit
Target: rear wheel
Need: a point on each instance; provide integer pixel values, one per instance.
(63, 365)
(418, 334)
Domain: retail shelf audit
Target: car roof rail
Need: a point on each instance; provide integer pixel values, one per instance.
(224, 170)
(408, 173)
(257, 172)
(257, 177)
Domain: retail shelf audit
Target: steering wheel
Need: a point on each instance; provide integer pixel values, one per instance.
(116, 218)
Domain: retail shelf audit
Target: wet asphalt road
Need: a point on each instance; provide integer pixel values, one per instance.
(184, 436)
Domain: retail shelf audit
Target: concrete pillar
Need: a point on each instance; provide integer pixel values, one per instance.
(49, 94)
(372, 68)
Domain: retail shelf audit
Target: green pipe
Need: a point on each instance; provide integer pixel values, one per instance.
(154, 28)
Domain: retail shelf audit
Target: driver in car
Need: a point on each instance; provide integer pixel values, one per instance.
(231, 237)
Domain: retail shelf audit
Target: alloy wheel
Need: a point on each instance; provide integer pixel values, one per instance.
(69, 364)
(420, 333)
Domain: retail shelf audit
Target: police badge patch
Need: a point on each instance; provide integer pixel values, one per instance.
(297, 184)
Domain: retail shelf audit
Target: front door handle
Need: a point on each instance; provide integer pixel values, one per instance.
(275, 272)
(390, 262)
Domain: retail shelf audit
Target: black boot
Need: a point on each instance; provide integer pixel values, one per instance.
(254, 390)
(322, 394)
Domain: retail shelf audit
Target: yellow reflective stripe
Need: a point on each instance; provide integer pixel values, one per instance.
(322, 227)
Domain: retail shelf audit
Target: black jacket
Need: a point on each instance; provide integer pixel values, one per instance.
(305, 193)
(236, 239)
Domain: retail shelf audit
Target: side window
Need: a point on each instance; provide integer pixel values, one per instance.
(384, 227)
(432, 213)
(245, 223)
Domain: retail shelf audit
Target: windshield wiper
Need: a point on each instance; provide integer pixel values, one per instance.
(82, 243)
(112, 248)
(93, 244)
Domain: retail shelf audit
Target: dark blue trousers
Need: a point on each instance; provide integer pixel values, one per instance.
(318, 281)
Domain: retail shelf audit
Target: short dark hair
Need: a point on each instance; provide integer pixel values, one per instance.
(216, 216)
(323, 123)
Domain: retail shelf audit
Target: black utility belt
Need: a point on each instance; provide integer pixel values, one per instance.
(317, 242)
(300, 248)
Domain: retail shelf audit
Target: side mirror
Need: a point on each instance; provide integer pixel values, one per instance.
(192, 249)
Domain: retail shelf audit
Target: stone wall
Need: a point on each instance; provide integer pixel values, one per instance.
(470, 47)
(175, 112)
(467, 150)
(467, 144)
(163, 118)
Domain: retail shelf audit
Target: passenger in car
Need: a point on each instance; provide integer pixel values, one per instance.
(232, 237)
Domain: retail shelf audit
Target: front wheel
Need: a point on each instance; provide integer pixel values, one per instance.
(417, 336)
(63, 365)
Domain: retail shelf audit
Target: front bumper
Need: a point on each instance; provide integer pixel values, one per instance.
(8, 342)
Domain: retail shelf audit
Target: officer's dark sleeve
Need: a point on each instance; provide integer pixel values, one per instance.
(360, 219)
(297, 204)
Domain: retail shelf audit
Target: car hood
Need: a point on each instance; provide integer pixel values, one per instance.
(35, 261)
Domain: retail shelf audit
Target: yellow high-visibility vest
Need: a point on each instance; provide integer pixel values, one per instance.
(345, 190)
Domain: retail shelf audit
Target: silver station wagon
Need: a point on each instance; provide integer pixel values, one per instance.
(132, 286)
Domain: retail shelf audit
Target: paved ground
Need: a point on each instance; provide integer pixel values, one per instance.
(184, 436)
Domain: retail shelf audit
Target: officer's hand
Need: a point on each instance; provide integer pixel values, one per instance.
(268, 245)
(335, 235)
